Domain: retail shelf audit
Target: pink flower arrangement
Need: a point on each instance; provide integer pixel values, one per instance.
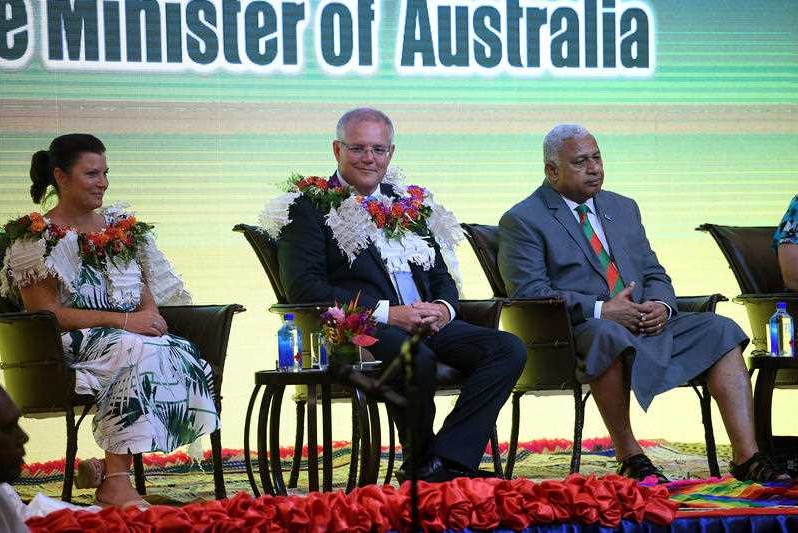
(348, 324)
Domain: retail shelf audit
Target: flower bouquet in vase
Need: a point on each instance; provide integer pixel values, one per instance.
(345, 330)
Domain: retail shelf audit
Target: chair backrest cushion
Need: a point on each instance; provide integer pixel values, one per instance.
(484, 240)
(32, 357)
(266, 249)
(750, 255)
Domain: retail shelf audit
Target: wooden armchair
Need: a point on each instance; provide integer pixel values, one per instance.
(755, 265)
(544, 327)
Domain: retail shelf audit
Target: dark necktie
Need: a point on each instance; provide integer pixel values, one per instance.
(611, 274)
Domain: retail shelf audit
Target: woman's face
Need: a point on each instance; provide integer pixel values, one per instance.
(83, 186)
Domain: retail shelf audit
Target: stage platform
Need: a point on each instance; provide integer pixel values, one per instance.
(541, 498)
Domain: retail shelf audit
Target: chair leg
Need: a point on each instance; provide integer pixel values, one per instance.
(705, 400)
(218, 470)
(391, 445)
(71, 453)
(354, 458)
(293, 479)
(579, 422)
(138, 474)
(496, 454)
(511, 450)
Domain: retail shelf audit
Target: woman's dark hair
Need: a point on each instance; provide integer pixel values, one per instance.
(63, 153)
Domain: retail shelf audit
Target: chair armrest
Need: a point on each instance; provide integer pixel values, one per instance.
(761, 298)
(698, 304)
(208, 327)
(760, 307)
(544, 327)
(483, 313)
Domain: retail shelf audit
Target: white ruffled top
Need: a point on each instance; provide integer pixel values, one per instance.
(26, 262)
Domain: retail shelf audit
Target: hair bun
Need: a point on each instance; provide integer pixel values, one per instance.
(40, 175)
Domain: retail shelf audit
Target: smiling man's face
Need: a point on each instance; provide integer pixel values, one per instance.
(364, 154)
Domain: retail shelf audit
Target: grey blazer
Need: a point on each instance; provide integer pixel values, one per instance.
(544, 252)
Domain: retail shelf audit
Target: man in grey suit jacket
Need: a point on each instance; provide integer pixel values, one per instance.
(574, 240)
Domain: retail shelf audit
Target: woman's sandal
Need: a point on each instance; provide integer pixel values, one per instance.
(139, 502)
(760, 468)
(90, 473)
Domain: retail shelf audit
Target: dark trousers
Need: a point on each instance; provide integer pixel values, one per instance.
(491, 362)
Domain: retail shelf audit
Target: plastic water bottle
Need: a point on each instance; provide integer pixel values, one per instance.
(288, 344)
(782, 332)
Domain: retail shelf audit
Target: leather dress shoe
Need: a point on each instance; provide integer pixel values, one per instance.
(437, 470)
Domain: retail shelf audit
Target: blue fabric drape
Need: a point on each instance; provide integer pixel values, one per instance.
(722, 524)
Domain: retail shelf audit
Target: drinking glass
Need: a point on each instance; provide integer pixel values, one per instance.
(318, 351)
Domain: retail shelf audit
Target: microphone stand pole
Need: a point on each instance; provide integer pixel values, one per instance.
(407, 353)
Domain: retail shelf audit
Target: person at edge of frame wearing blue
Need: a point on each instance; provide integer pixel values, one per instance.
(570, 238)
(408, 284)
(785, 242)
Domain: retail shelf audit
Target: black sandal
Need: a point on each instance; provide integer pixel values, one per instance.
(640, 467)
(760, 468)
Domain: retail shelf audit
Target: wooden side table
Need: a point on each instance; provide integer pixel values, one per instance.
(767, 368)
(366, 451)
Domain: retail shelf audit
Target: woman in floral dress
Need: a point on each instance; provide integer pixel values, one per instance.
(99, 271)
(786, 242)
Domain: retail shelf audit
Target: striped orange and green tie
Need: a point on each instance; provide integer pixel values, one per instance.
(611, 273)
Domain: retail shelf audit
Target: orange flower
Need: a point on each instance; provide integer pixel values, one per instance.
(396, 210)
(321, 183)
(99, 239)
(126, 223)
(37, 223)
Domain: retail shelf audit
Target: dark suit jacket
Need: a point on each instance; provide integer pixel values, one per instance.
(314, 269)
(543, 252)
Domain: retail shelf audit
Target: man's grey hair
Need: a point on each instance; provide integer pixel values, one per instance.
(552, 143)
(361, 114)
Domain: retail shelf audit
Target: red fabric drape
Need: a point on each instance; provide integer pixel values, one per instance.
(459, 504)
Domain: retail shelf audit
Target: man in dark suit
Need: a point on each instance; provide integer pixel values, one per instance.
(406, 298)
(572, 239)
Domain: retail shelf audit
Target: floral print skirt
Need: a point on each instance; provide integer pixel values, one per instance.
(153, 393)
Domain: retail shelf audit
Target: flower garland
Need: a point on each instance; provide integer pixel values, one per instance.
(33, 226)
(399, 227)
(124, 253)
(120, 239)
(395, 218)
